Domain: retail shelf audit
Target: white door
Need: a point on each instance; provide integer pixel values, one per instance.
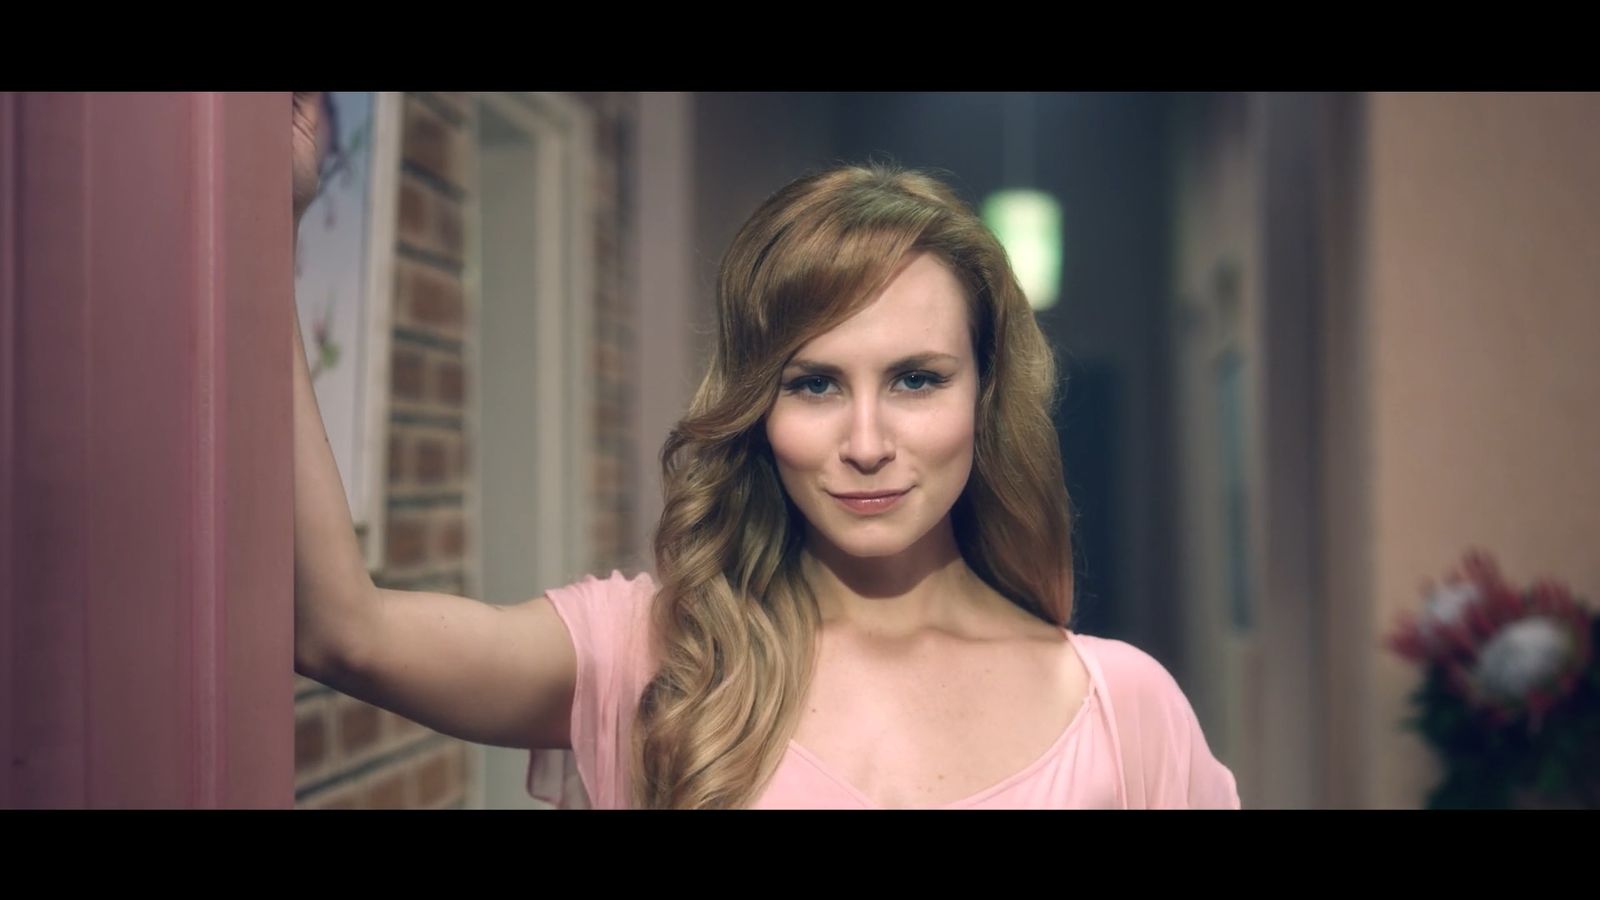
(530, 277)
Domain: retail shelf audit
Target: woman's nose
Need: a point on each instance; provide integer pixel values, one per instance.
(868, 444)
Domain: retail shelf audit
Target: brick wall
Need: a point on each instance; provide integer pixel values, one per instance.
(612, 481)
(349, 754)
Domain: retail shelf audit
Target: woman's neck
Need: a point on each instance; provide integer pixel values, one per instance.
(926, 586)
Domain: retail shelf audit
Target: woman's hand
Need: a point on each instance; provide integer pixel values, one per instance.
(306, 147)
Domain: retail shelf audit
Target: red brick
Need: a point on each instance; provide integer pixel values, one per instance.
(310, 739)
(450, 383)
(605, 362)
(608, 471)
(358, 728)
(430, 221)
(432, 297)
(431, 466)
(416, 214)
(438, 778)
(434, 145)
(452, 538)
(458, 102)
(405, 540)
(407, 374)
(388, 792)
(605, 534)
(448, 234)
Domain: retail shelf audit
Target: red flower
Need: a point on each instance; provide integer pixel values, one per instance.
(1503, 651)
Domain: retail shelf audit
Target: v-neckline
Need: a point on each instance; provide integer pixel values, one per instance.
(1061, 740)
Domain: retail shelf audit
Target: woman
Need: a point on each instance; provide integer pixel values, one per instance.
(863, 584)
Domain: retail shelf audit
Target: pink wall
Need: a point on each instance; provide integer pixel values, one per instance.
(144, 450)
(1482, 371)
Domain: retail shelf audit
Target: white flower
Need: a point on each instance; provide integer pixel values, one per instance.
(1445, 607)
(1526, 654)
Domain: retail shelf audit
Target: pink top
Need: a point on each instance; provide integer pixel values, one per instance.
(1134, 744)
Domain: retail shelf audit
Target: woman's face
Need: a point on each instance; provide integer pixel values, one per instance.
(873, 427)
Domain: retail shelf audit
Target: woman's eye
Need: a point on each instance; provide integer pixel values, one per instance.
(809, 386)
(920, 382)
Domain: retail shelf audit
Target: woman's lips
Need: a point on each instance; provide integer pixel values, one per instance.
(870, 503)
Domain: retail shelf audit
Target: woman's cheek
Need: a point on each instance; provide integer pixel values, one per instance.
(793, 436)
(945, 433)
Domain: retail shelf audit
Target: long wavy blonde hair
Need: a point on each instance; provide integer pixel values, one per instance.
(734, 623)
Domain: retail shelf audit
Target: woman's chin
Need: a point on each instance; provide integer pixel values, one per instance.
(875, 540)
(873, 549)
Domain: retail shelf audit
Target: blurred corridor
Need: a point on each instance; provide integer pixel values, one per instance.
(1313, 346)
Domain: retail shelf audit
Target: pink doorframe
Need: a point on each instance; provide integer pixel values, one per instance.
(146, 488)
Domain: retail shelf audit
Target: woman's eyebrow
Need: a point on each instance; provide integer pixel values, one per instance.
(917, 360)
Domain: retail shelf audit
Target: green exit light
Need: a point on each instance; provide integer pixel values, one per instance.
(1028, 224)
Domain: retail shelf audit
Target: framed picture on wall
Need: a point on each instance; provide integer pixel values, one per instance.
(344, 274)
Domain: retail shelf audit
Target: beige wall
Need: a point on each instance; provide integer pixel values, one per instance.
(1482, 330)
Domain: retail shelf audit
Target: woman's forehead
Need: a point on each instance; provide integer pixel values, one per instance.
(923, 309)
